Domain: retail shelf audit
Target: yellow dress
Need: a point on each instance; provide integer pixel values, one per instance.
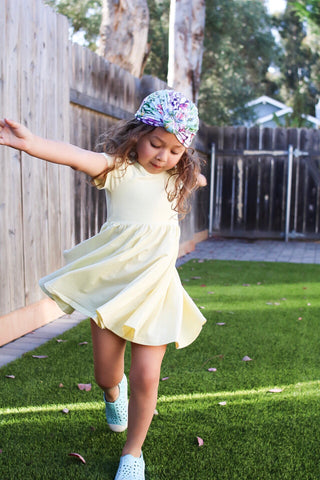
(124, 278)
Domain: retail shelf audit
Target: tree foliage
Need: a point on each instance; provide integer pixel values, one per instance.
(307, 9)
(299, 82)
(239, 48)
(84, 18)
(157, 62)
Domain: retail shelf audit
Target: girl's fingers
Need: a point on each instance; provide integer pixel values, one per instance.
(11, 123)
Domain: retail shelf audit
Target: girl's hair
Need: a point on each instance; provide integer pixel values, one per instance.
(120, 142)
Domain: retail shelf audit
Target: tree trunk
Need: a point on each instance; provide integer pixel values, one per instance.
(124, 34)
(186, 34)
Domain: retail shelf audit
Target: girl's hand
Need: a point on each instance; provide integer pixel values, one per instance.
(14, 135)
(201, 180)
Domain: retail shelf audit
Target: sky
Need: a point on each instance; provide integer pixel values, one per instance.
(275, 5)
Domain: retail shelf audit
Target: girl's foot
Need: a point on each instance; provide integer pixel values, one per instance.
(130, 468)
(117, 412)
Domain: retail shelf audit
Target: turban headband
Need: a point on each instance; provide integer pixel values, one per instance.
(172, 111)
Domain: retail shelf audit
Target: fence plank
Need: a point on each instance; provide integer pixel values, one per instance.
(11, 239)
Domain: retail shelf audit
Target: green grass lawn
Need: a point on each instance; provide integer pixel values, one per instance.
(270, 313)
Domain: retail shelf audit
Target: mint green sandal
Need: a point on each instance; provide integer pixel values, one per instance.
(117, 412)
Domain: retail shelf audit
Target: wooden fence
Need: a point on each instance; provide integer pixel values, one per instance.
(62, 91)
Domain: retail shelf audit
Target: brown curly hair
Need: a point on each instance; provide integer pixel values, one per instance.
(120, 142)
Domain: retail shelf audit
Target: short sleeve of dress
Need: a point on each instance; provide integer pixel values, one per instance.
(111, 179)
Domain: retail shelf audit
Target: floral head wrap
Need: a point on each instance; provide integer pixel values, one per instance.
(172, 111)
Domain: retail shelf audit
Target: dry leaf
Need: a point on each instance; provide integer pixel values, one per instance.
(246, 359)
(39, 356)
(85, 386)
(77, 455)
(200, 441)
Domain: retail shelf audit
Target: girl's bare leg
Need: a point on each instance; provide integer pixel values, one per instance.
(144, 381)
(108, 357)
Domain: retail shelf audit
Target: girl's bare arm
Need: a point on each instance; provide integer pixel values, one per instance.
(17, 136)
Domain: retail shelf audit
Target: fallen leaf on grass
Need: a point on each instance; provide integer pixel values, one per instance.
(275, 390)
(200, 441)
(39, 356)
(77, 455)
(246, 359)
(85, 386)
(10, 376)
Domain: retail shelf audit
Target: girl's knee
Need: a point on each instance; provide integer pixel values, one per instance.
(106, 381)
(145, 379)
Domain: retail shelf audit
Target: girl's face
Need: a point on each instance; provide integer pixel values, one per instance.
(159, 151)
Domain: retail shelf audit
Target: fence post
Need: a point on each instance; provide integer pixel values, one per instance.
(213, 163)
(289, 185)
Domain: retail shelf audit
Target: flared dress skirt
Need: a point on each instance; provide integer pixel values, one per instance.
(124, 278)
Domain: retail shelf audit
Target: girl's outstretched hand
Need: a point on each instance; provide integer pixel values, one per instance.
(14, 135)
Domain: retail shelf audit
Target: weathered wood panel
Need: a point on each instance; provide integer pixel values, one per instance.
(34, 196)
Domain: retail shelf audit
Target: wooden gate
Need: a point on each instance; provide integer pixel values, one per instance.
(265, 183)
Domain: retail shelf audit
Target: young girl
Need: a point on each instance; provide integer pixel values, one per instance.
(124, 278)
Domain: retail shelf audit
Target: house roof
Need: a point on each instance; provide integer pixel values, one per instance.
(280, 109)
